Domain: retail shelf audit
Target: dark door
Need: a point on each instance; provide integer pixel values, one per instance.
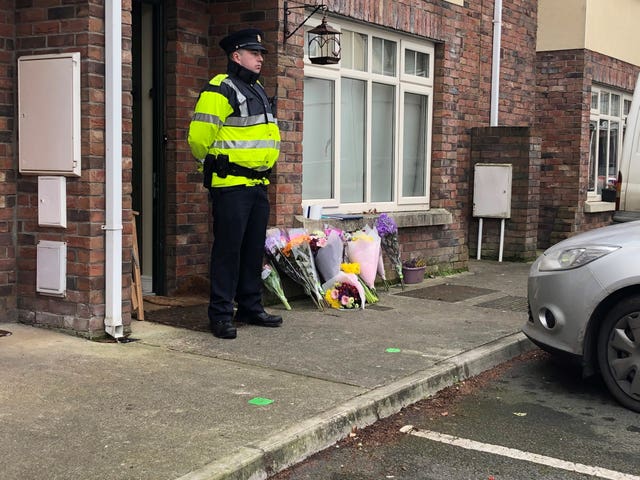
(148, 147)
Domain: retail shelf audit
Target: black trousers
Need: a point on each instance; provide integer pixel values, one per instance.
(240, 217)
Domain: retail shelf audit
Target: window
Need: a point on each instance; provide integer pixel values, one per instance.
(609, 110)
(367, 124)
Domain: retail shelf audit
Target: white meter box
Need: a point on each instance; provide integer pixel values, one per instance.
(49, 114)
(51, 269)
(52, 201)
(492, 190)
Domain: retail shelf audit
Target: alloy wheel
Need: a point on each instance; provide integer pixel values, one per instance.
(619, 352)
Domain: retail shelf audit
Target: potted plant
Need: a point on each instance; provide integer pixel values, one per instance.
(413, 270)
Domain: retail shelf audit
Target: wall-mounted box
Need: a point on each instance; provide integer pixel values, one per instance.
(51, 270)
(49, 114)
(52, 202)
(492, 190)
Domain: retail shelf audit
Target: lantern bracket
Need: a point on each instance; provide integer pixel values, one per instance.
(287, 12)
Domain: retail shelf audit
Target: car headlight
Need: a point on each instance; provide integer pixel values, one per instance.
(574, 257)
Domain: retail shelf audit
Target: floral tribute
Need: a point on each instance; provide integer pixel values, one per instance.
(345, 291)
(271, 280)
(343, 295)
(291, 253)
(329, 253)
(364, 249)
(388, 231)
(335, 268)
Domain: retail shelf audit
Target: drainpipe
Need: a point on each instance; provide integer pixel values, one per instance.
(113, 169)
(495, 64)
(495, 97)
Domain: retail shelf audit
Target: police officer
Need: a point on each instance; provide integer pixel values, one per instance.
(235, 135)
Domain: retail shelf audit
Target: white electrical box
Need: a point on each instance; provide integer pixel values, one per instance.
(51, 270)
(52, 202)
(492, 190)
(49, 114)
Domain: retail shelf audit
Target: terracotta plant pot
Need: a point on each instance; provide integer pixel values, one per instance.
(413, 274)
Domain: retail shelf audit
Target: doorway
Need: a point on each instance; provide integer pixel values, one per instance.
(148, 145)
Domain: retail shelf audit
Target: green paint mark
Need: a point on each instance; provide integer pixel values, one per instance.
(392, 350)
(260, 401)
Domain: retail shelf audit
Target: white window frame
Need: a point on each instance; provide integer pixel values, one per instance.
(597, 116)
(402, 83)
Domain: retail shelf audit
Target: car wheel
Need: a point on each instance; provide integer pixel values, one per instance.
(619, 352)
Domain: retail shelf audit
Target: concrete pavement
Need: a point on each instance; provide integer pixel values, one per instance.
(175, 403)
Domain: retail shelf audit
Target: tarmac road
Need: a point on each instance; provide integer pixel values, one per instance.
(557, 424)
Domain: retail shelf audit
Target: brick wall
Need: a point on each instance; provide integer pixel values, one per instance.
(188, 69)
(45, 27)
(515, 146)
(564, 80)
(8, 169)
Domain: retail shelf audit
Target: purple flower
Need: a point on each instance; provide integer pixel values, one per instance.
(388, 231)
(273, 243)
(386, 225)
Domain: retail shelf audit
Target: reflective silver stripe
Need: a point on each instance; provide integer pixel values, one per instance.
(246, 144)
(245, 121)
(208, 118)
(248, 121)
(242, 100)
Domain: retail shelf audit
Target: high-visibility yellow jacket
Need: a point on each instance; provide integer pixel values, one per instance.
(235, 117)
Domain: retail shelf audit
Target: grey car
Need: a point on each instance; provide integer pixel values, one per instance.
(584, 303)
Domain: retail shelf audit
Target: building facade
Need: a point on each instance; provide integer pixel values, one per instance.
(586, 69)
(396, 126)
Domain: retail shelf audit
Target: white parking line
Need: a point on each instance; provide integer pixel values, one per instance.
(521, 455)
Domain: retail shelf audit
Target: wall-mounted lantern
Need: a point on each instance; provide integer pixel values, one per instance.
(324, 40)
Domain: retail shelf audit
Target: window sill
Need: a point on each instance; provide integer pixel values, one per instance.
(423, 218)
(599, 206)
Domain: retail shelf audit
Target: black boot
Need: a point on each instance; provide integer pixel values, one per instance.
(263, 319)
(223, 330)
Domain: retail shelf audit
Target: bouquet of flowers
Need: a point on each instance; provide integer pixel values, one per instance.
(388, 231)
(271, 280)
(275, 242)
(364, 248)
(370, 294)
(329, 256)
(298, 251)
(344, 291)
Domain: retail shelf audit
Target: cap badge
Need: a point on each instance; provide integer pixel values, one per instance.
(258, 39)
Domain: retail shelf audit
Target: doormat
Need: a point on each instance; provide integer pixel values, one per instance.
(193, 317)
(447, 292)
(511, 303)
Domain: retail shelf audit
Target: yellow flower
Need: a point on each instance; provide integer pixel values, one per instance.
(360, 235)
(330, 300)
(350, 268)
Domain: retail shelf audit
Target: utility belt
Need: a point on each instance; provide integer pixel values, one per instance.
(221, 166)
